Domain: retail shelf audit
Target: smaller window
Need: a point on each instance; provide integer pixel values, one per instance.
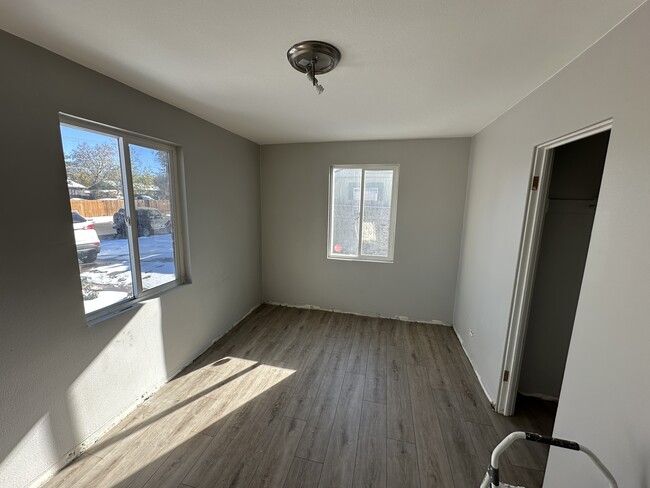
(362, 223)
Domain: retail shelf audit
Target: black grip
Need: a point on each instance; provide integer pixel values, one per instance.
(494, 475)
(552, 441)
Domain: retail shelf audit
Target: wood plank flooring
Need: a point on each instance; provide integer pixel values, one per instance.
(306, 398)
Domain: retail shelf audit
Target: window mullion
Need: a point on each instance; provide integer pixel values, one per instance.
(362, 197)
(174, 196)
(130, 209)
(330, 211)
(393, 214)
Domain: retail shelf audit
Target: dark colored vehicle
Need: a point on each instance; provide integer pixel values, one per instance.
(150, 221)
(85, 236)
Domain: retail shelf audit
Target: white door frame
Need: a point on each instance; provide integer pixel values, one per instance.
(528, 251)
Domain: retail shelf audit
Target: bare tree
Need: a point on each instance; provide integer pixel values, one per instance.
(142, 176)
(92, 164)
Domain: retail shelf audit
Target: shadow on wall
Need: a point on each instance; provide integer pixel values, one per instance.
(202, 426)
(84, 377)
(55, 399)
(61, 381)
(28, 405)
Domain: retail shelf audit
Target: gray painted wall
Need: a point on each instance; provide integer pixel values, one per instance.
(62, 381)
(604, 400)
(420, 284)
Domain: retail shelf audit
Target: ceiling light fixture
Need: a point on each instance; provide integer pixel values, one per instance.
(314, 58)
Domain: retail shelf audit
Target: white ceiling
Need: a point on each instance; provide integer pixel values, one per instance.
(409, 69)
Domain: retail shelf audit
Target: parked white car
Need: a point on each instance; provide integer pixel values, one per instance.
(85, 235)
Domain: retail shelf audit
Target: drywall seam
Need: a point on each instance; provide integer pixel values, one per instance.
(403, 318)
(480, 380)
(99, 433)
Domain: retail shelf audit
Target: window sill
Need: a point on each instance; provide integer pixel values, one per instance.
(120, 308)
(362, 259)
(109, 314)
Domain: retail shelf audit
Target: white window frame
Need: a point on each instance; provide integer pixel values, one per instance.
(125, 138)
(393, 212)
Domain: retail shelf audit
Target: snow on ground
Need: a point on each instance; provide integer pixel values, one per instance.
(112, 270)
(104, 299)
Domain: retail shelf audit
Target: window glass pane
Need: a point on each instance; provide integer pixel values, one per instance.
(152, 193)
(375, 234)
(346, 204)
(96, 193)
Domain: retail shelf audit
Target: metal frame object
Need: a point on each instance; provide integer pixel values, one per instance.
(491, 479)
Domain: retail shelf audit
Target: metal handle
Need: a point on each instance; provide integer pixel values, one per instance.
(491, 478)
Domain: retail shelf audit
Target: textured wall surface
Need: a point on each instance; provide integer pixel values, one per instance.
(62, 381)
(604, 399)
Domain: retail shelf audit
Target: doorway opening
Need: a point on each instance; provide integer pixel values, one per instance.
(562, 203)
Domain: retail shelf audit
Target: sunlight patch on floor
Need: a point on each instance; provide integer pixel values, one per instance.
(201, 401)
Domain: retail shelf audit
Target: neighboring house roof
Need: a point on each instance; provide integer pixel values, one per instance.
(74, 184)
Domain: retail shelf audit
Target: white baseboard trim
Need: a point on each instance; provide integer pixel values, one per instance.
(326, 309)
(99, 433)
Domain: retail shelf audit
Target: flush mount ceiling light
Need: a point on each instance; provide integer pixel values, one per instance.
(314, 58)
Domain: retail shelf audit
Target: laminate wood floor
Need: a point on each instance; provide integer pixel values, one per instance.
(307, 398)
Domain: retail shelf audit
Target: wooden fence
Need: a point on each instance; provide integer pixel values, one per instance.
(101, 208)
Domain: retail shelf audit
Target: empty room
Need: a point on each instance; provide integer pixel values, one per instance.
(325, 244)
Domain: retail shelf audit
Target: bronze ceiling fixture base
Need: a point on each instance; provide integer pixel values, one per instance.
(314, 58)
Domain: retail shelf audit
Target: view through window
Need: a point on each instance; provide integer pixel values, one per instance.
(362, 224)
(121, 198)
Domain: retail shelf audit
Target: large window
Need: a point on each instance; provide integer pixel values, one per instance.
(124, 214)
(362, 223)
